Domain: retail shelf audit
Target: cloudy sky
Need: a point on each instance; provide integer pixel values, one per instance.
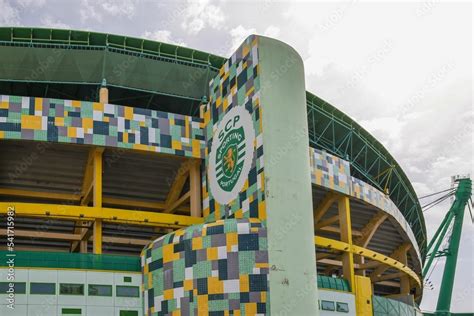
(402, 70)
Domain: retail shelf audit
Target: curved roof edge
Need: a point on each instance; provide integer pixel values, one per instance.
(34, 35)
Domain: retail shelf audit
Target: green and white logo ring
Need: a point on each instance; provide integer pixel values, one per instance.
(231, 154)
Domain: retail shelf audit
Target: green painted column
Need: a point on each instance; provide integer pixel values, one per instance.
(288, 194)
(463, 193)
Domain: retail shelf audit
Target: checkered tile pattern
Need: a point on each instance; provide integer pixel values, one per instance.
(237, 84)
(93, 123)
(333, 172)
(218, 268)
(329, 171)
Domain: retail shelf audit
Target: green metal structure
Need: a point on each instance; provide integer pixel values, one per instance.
(454, 218)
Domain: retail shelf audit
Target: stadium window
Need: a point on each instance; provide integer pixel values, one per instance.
(18, 287)
(342, 307)
(127, 279)
(128, 313)
(127, 291)
(71, 311)
(43, 288)
(71, 289)
(100, 290)
(327, 306)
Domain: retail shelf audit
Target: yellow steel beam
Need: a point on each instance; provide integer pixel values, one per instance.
(370, 228)
(178, 183)
(386, 277)
(125, 241)
(178, 203)
(344, 210)
(38, 234)
(97, 201)
(373, 255)
(327, 222)
(368, 232)
(324, 206)
(41, 195)
(78, 197)
(396, 254)
(337, 230)
(133, 203)
(118, 216)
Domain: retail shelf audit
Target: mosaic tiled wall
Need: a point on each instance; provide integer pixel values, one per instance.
(237, 84)
(329, 171)
(218, 268)
(333, 172)
(93, 123)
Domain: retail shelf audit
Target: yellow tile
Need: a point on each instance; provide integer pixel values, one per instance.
(245, 50)
(4, 105)
(197, 243)
(76, 104)
(211, 254)
(250, 91)
(59, 121)
(239, 213)
(168, 294)
(106, 119)
(168, 253)
(188, 285)
(128, 113)
(38, 104)
(98, 106)
(186, 128)
(125, 137)
(215, 286)
(176, 144)
(87, 123)
(203, 305)
(244, 283)
(262, 212)
(31, 122)
(250, 309)
(71, 132)
(196, 148)
(141, 147)
(2, 134)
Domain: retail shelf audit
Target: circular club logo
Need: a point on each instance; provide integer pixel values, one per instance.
(231, 154)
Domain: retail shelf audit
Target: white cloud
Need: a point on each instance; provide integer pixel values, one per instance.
(272, 31)
(31, 3)
(238, 35)
(120, 8)
(200, 14)
(8, 14)
(162, 36)
(50, 22)
(95, 10)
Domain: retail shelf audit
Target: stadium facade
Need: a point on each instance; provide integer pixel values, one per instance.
(143, 178)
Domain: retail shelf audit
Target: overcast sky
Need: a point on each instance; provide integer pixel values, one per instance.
(402, 70)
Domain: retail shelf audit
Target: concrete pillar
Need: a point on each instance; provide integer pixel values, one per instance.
(288, 195)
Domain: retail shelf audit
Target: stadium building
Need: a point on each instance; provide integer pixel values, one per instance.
(143, 178)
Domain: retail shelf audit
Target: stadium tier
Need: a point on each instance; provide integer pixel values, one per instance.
(144, 178)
